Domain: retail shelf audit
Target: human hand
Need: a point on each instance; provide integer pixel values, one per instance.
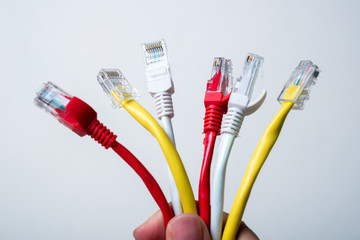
(187, 226)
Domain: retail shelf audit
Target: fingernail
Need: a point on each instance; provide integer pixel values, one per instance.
(186, 228)
(136, 230)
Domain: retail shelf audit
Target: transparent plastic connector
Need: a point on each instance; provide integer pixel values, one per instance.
(116, 86)
(157, 67)
(52, 99)
(221, 76)
(251, 72)
(297, 88)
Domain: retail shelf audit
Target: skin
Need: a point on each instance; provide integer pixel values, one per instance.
(187, 226)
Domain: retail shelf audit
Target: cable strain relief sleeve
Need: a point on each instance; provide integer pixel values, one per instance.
(164, 104)
(101, 134)
(213, 118)
(232, 121)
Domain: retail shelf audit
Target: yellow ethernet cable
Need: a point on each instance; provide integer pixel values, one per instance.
(122, 94)
(262, 150)
(293, 95)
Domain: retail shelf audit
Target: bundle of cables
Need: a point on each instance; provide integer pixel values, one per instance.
(223, 97)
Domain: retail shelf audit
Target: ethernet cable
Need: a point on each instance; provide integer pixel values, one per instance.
(217, 95)
(238, 107)
(122, 94)
(82, 119)
(293, 95)
(161, 87)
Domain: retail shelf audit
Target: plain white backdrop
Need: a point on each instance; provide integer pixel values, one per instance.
(55, 185)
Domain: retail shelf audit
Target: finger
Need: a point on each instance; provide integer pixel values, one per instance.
(244, 233)
(225, 217)
(187, 226)
(152, 229)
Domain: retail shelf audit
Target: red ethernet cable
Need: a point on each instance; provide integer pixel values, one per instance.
(82, 119)
(216, 99)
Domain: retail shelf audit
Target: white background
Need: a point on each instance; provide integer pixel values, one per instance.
(55, 185)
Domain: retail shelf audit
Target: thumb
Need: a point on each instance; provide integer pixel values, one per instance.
(187, 226)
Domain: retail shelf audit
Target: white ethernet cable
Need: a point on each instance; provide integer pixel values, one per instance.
(160, 85)
(238, 107)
